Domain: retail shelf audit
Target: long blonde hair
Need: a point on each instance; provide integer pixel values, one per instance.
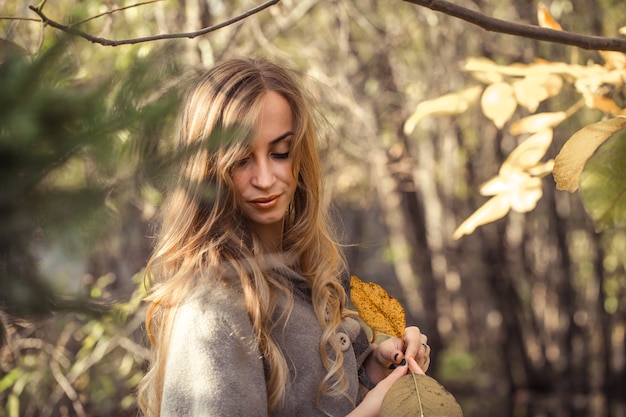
(202, 229)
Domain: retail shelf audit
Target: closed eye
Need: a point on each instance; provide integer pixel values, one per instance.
(283, 155)
(242, 162)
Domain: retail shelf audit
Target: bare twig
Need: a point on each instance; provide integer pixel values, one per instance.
(112, 12)
(526, 31)
(108, 42)
(27, 19)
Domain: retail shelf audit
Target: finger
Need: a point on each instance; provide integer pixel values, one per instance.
(413, 339)
(415, 367)
(424, 362)
(390, 352)
(397, 373)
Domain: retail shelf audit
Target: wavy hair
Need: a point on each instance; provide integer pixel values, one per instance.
(193, 249)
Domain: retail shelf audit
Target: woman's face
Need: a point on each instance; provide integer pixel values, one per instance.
(264, 180)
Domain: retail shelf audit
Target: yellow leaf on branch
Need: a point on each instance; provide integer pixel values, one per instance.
(498, 103)
(448, 104)
(571, 160)
(528, 153)
(516, 187)
(535, 88)
(377, 308)
(545, 19)
(537, 122)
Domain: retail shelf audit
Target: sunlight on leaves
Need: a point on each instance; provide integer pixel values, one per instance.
(377, 308)
(604, 104)
(488, 76)
(545, 19)
(614, 59)
(537, 122)
(516, 187)
(534, 89)
(449, 104)
(419, 395)
(528, 153)
(494, 209)
(571, 160)
(603, 184)
(498, 103)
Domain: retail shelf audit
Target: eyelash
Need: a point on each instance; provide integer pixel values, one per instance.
(283, 155)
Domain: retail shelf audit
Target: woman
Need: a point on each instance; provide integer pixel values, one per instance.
(247, 312)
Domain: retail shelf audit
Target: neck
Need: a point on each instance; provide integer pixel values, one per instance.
(271, 236)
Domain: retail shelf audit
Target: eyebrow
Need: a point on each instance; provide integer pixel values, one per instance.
(281, 137)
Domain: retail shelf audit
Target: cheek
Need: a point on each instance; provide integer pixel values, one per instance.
(239, 182)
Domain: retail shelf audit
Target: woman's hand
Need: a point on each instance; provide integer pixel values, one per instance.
(370, 406)
(394, 352)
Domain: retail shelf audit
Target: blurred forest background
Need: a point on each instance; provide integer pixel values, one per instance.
(526, 316)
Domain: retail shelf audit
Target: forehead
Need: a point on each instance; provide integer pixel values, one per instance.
(275, 118)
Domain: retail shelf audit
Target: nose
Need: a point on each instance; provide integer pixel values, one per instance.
(263, 176)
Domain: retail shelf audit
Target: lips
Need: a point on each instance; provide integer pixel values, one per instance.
(265, 203)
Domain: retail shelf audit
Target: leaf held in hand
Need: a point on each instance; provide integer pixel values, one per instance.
(419, 395)
(377, 308)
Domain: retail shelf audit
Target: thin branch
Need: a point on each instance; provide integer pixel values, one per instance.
(112, 12)
(27, 19)
(491, 24)
(108, 42)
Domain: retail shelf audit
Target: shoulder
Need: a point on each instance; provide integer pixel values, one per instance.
(213, 309)
(212, 344)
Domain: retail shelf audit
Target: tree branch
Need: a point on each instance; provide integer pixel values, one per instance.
(108, 42)
(526, 31)
(110, 12)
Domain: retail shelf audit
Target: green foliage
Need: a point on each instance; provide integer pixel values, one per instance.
(72, 152)
(603, 183)
(74, 361)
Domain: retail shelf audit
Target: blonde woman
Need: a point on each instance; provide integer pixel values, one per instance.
(248, 294)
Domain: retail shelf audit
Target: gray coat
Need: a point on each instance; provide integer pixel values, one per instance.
(214, 367)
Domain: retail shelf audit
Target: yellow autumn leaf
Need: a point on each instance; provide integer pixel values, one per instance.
(571, 160)
(483, 70)
(541, 170)
(614, 59)
(495, 208)
(545, 19)
(528, 153)
(498, 103)
(448, 104)
(525, 198)
(604, 104)
(537, 122)
(535, 88)
(377, 308)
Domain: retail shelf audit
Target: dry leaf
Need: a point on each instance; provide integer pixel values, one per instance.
(604, 104)
(614, 59)
(537, 122)
(545, 19)
(525, 198)
(528, 153)
(495, 208)
(535, 88)
(517, 185)
(449, 104)
(377, 308)
(498, 103)
(571, 160)
(419, 395)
